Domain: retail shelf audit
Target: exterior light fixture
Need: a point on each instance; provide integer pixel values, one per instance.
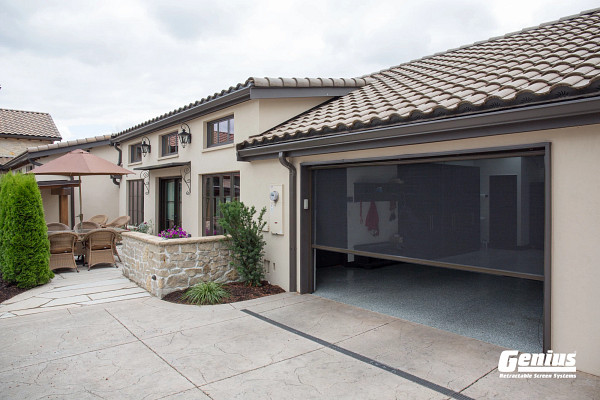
(145, 146)
(185, 136)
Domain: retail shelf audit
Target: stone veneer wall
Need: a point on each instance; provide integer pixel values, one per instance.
(162, 266)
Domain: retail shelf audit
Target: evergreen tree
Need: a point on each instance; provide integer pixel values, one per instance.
(24, 246)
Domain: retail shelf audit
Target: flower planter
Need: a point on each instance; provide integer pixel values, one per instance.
(162, 266)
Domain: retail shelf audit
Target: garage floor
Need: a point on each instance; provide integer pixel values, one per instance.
(504, 311)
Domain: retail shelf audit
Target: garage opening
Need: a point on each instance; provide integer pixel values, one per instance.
(456, 243)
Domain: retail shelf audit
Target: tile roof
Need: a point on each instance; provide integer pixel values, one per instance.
(4, 160)
(261, 83)
(550, 62)
(27, 123)
(68, 143)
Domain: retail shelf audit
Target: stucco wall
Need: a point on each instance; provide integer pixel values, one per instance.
(575, 253)
(251, 118)
(10, 147)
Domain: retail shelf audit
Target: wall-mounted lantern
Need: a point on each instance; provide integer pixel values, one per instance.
(185, 136)
(145, 146)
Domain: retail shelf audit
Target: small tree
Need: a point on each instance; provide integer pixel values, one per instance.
(24, 246)
(246, 241)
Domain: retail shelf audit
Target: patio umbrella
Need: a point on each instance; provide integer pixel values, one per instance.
(79, 163)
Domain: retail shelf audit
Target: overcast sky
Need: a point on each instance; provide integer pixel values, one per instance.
(99, 67)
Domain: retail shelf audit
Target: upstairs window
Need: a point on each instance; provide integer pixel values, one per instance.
(220, 131)
(168, 144)
(135, 153)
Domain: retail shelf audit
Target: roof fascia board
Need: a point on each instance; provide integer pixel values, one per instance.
(220, 103)
(33, 137)
(532, 118)
(277, 93)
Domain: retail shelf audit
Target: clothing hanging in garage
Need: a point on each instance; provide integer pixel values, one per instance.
(372, 220)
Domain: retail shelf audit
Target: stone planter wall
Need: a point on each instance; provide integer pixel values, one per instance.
(164, 266)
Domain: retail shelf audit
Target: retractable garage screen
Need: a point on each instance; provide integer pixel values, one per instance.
(481, 214)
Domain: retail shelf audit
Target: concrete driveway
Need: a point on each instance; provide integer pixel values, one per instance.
(286, 346)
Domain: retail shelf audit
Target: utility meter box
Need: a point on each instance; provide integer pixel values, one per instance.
(276, 209)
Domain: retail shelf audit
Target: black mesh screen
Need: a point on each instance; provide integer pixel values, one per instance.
(486, 213)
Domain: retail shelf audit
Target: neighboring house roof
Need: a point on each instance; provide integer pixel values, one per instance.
(27, 124)
(36, 152)
(253, 88)
(553, 62)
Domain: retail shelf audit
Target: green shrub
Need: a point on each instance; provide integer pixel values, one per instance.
(206, 293)
(24, 246)
(246, 241)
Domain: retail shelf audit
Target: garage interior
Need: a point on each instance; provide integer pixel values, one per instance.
(454, 243)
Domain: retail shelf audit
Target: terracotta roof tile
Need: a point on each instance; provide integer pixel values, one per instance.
(27, 123)
(553, 61)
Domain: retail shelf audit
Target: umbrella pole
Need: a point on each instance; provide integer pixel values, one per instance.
(80, 202)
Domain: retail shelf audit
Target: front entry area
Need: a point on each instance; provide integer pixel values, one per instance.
(456, 242)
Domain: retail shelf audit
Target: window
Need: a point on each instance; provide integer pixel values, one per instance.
(220, 131)
(135, 153)
(135, 200)
(221, 188)
(168, 144)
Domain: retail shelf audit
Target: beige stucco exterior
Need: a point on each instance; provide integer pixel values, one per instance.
(10, 147)
(575, 213)
(575, 191)
(251, 118)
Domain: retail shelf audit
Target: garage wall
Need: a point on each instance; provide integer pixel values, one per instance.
(575, 227)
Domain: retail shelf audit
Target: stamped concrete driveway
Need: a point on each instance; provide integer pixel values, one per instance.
(285, 346)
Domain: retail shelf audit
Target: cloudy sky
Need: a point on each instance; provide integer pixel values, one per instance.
(99, 67)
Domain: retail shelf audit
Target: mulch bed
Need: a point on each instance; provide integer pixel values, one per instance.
(8, 290)
(238, 292)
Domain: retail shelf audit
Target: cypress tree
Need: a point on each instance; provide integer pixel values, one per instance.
(24, 246)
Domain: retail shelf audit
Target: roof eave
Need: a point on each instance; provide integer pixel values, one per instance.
(33, 137)
(202, 109)
(554, 115)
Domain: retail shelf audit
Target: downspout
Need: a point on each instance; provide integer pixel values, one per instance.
(116, 178)
(293, 218)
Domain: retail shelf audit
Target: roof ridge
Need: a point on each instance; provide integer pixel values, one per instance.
(489, 40)
(24, 111)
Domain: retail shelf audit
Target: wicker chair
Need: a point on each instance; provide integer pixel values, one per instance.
(85, 225)
(57, 226)
(100, 219)
(100, 247)
(81, 228)
(62, 246)
(119, 222)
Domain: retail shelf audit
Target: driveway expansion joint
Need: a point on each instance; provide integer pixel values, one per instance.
(403, 374)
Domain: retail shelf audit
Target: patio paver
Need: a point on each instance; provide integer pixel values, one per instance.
(118, 347)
